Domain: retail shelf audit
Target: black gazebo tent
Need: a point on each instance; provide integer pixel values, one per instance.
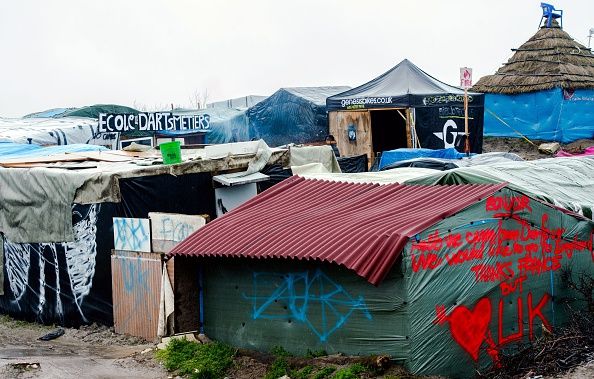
(404, 107)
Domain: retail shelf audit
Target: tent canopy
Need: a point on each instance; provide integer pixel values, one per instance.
(404, 85)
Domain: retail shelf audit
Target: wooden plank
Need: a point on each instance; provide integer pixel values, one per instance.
(339, 122)
(136, 154)
(48, 159)
(102, 156)
(173, 227)
(237, 148)
(408, 134)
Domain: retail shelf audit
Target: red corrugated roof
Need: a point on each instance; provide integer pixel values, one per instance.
(363, 227)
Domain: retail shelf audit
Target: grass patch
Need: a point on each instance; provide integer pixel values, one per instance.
(315, 353)
(351, 372)
(324, 373)
(304, 373)
(209, 361)
(280, 366)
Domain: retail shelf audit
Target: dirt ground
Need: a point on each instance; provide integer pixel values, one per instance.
(527, 150)
(88, 352)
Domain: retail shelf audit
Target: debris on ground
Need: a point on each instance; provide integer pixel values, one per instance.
(552, 354)
(52, 335)
(549, 148)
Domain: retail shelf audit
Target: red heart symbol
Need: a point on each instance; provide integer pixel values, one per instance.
(468, 327)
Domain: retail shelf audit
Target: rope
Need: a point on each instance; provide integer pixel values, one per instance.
(506, 124)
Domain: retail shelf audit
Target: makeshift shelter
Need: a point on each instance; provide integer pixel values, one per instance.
(292, 115)
(226, 125)
(441, 278)
(56, 228)
(545, 90)
(404, 107)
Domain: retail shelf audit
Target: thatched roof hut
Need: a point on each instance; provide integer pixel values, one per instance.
(550, 59)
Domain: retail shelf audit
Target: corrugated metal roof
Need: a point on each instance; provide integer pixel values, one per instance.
(363, 227)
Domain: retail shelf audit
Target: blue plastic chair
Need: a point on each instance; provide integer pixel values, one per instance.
(548, 12)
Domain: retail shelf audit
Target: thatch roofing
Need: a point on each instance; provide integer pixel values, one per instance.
(551, 58)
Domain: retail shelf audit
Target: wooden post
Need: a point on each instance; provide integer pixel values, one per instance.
(408, 133)
(467, 139)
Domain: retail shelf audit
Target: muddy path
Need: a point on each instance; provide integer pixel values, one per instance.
(88, 352)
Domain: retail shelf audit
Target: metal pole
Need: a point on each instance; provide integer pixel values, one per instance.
(467, 141)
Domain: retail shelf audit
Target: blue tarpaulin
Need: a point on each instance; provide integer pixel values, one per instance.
(553, 115)
(391, 156)
(10, 150)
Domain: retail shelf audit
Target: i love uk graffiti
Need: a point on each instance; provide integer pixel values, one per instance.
(509, 252)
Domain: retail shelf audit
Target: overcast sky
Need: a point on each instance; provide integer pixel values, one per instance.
(63, 53)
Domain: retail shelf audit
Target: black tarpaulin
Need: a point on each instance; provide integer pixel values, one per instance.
(405, 85)
(292, 115)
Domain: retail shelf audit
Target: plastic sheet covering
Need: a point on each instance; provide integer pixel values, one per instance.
(1, 265)
(400, 175)
(276, 174)
(357, 163)
(292, 115)
(301, 306)
(479, 284)
(49, 113)
(48, 131)
(314, 154)
(9, 150)
(552, 115)
(565, 182)
(389, 157)
(448, 164)
(64, 283)
(93, 111)
(226, 125)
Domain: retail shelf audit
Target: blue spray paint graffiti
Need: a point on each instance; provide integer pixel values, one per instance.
(131, 234)
(134, 275)
(304, 293)
(174, 230)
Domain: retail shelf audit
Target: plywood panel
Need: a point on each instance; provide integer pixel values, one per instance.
(132, 234)
(339, 124)
(168, 229)
(136, 291)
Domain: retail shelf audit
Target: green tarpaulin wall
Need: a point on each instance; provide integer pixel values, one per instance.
(467, 289)
(475, 281)
(300, 306)
(566, 182)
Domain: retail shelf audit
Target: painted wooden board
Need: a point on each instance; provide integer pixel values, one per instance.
(339, 124)
(168, 229)
(132, 234)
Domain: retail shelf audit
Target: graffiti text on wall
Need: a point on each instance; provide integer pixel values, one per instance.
(508, 251)
(299, 296)
(152, 122)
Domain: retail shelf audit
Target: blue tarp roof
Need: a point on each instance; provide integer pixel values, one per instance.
(391, 156)
(10, 150)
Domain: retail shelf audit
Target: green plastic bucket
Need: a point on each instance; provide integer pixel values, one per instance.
(171, 152)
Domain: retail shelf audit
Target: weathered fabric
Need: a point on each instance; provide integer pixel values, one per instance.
(315, 154)
(35, 203)
(1, 265)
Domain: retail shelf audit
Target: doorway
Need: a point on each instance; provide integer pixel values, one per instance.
(388, 129)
